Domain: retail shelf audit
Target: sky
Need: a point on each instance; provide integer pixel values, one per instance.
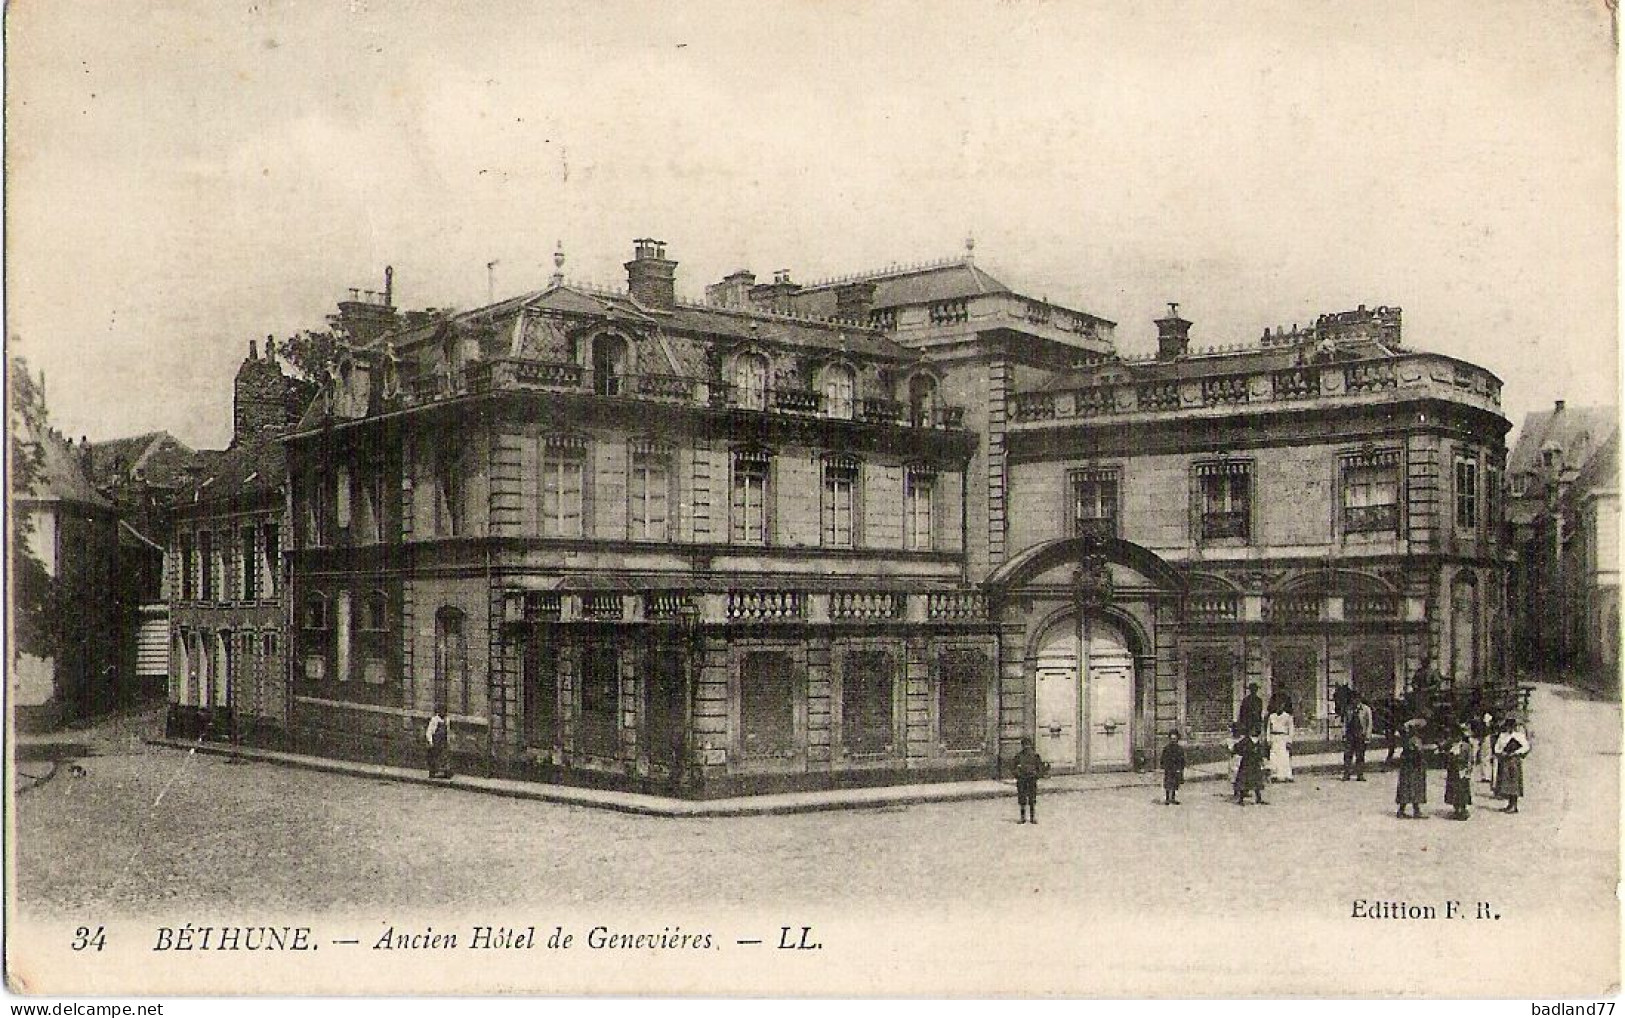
(184, 177)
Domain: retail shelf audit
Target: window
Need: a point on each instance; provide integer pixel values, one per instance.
(1371, 492)
(271, 552)
(599, 732)
(867, 703)
(648, 493)
(315, 612)
(450, 661)
(750, 381)
(919, 488)
(750, 496)
(1466, 494)
(922, 398)
(450, 493)
(1094, 502)
(315, 510)
(205, 544)
(840, 484)
(1520, 484)
(370, 487)
(563, 478)
(962, 684)
(1210, 694)
(608, 365)
(250, 555)
(1492, 500)
(839, 387)
(342, 614)
(225, 584)
(376, 618)
(767, 704)
(268, 643)
(341, 496)
(1225, 500)
(188, 569)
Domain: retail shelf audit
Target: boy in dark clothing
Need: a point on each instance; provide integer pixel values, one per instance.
(1173, 769)
(1029, 767)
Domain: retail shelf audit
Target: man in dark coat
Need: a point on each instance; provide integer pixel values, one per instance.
(1357, 725)
(1029, 766)
(1173, 769)
(1251, 715)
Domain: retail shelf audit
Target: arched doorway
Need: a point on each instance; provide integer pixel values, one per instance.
(1084, 695)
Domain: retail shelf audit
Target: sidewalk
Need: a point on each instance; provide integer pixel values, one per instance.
(753, 805)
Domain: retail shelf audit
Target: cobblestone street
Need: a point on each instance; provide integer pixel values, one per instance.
(150, 832)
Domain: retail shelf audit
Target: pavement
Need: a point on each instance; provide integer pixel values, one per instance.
(753, 805)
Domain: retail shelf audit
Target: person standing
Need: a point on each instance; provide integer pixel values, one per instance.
(1458, 776)
(1029, 768)
(1484, 740)
(438, 735)
(1249, 767)
(1413, 772)
(1173, 769)
(1251, 715)
(1282, 730)
(1357, 724)
(1511, 746)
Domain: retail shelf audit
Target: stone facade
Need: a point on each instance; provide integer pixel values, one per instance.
(871, 530)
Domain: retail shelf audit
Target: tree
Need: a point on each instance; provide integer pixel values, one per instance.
(37, 616)
(310, 354)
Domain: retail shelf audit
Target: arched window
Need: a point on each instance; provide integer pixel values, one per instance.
(450, 661)
(608, 365)
(750, 381)
(377, 614)
(922, 398)
(839, 388)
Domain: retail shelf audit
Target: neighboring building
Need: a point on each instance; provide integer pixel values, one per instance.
(73, 531)
(870, 530)
(141, 476)
(1563, 478)
(227, 531)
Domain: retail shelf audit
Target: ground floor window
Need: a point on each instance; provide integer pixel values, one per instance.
(868, 682)
(1295, 671)
(767, 704)
(540, 681)
(962, 677)
(598, 732)
(1210, 693)
(1371, 670)
(664, 707)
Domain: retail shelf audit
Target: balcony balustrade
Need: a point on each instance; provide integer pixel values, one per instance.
(1371, 519)
(1293, 608)
(1423, 374)
(766, 606)
(866, 605)
(1210, 608)
(956, 606)
(1363, 607)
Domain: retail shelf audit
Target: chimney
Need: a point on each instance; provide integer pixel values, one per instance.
(1559, 407)
(1173, 335)
(651, 278)
(775, 296)
(733, 291)
(253, 350)
(853, 300)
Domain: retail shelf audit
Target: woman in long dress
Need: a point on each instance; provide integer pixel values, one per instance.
(1458, 779)
(1413, 774)
(1511, 746)
(1281, 732)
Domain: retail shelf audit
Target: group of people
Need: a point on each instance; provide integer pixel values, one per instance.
(1482, 748)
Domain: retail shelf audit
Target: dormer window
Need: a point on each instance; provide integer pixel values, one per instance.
(608, 365)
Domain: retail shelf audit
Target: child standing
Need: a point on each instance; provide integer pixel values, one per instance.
(1173, 769)
(1029, 767)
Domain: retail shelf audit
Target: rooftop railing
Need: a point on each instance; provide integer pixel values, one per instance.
(1420, 374)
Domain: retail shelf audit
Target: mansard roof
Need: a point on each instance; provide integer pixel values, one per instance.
(1577, 432)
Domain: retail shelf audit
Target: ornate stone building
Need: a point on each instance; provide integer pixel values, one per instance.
(869, 530)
